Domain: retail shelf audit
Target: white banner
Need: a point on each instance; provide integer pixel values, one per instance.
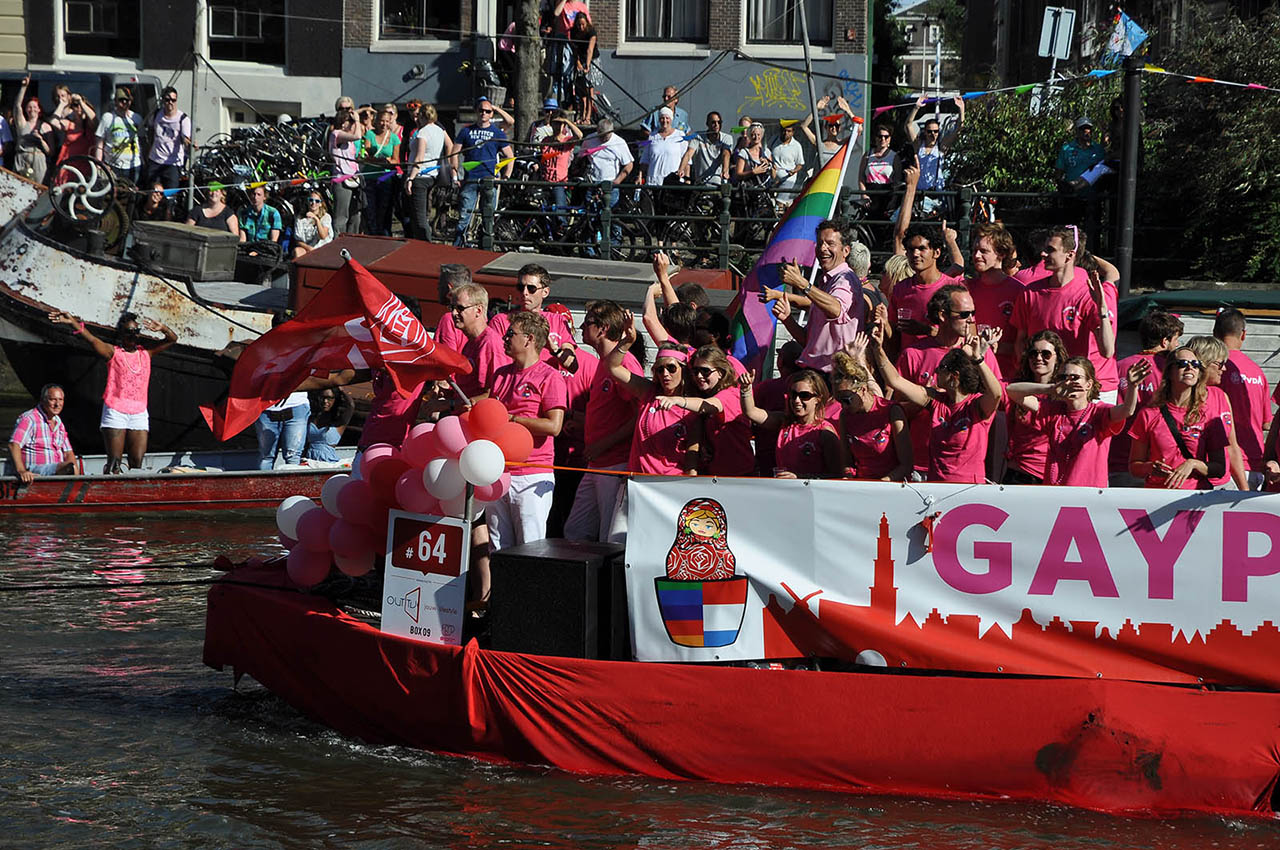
(424, 590)
(1126, 583)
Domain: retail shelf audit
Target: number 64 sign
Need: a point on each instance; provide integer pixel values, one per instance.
(425, 583)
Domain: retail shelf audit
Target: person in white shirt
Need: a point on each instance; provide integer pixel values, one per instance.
(665, 150)
(788, 164)
(119, 143)
(610, 158)
(427, 166)
(707, 158)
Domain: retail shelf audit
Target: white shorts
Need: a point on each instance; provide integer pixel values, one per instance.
(520, 516)
(124, 421)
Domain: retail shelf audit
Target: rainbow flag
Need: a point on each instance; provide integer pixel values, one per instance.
(702, 613)
(752, 320)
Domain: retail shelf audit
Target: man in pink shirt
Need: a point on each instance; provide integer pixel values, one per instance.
(533, 285)
(452, 275)
(837, 309)
(1246, 388)
(39, 444)
(609, 421)
(993, 290)
(483, 347)
(909, 300)
(535, 396)
(1082, 313)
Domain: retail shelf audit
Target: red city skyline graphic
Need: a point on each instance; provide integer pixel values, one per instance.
(1078, 648)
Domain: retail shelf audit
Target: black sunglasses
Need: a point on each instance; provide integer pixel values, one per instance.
(528, 287)
(803, 395)
(665, 367)
(704, 371)
(1187, 364)
(844, 398)
(962, 314)
(1040, 354)
(170, 100)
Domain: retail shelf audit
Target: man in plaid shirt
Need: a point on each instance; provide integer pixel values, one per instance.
(39, 443)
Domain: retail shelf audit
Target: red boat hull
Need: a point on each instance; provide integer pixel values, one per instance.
(123, 494)
(1106, 745)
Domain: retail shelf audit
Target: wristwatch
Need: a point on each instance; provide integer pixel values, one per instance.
(1104, 314)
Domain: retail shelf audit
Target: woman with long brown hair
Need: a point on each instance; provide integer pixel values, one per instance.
(715, 396)
(1028, 448)
(808, 446)
(1175, 445)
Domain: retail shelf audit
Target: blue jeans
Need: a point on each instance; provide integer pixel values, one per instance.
(470, 194)
(288, 436)
(320, 443)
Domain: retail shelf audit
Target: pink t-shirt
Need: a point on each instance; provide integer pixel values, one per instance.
(128, 377)
(1078, 442)
(1070, 312)
(577, 385)
(910, 300)
(1246, 388)
(994, 305)
(825, 335)
(869, 437)
(532, 392)
(390, 414)
(486, 354)
(1120, 443)
(1149, 427)
(558, 333)
(451, 336)
(800, 448)
(609, 410)
(553, 159)
(728, 435)
(661, 438)
(958, 441)
(919, 363)
(738, 368)
(1028, 449)
(1218, 409)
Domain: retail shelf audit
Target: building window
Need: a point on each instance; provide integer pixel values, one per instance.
(102, 28)
(904, 75)
(247, 31)
(778, 21)
(667, 20)
(935, 33)
(418, 19)
(933, 76)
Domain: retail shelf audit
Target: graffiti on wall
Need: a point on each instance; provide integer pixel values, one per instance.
(780, 90)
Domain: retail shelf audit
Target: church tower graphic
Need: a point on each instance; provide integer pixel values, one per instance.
(1148, 651)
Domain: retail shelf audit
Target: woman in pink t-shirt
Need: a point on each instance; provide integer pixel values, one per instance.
(960, 407)
(872, 429)
(726, 429)
(1028, 448)
(1077, 427)
(125, 423)
(667, 438)
(1175, 445)
(807, 447)
(1213, 354)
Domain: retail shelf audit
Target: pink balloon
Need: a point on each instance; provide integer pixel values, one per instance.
(354, 565)
(420, 446)
(349, 538)
(412, 495)
(307, 567)
(355, 501)
(495, 491)
(287, 542)
(378, 450)
(313, 529)
(451, 436)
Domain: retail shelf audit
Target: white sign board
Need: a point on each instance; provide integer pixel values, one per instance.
(1056, 32)
(425, 588)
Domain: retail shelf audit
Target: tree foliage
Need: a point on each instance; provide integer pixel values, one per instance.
(888, 44)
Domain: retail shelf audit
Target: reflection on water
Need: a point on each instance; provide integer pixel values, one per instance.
(136, 743)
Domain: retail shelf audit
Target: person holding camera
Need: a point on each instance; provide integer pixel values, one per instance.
(348, 195)
(76, 119)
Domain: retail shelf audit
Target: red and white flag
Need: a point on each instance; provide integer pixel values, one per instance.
(353, 322)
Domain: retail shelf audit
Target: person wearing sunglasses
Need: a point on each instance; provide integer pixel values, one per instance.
(931, 146)
(715, 397)
(880, 171)
(484, 346)
(959, 408)
(872, 429)
(169, 129)
(1175, 445)
(535, 395)
(1075, 297)
(484, 144)
(313, 227)
(952, 312)
(807, 444)
(331, 412)
(1158, 334)
(533, 285)
(832, 137)
(667, 437)
(1213, 355)
(1027, 449)
(1077, 426)
(119, 135)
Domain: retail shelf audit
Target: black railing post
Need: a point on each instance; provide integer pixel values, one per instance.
(1129, 171)
(487, 210)
(726, 222)
(964, 202)
(606, 221)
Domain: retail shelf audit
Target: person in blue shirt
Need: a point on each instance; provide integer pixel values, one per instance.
(932, 146)
(1079, 154)
(484, 143)
(679, 119)
(258, 221)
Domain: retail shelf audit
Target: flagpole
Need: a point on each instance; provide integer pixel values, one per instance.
(808, 72)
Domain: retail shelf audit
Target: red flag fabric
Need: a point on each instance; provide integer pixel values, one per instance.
(354, 322)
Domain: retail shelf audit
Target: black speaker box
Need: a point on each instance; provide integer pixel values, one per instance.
(560, 597)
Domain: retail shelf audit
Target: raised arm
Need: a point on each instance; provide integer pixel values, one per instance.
(661, 265)
(155, 347)
(957, 256)
(773, 419)
(104, 350)
(945, 140)
(1105, 333)
(1129, 405)
(906, 389)
(911, 177)
(635, 385)
(991, 389)
(652, 322)
(912, 132)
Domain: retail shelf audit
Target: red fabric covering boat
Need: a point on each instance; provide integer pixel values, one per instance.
(1107, 745)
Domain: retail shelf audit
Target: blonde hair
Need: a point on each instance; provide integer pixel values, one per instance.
(846, 370)
(1208, 348)
(428, 113)
(897, 268)
(703, 513)
(478, 294)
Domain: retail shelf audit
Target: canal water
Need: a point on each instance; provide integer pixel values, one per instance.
(117, 736)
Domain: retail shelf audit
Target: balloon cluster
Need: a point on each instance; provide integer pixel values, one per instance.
(427, 475)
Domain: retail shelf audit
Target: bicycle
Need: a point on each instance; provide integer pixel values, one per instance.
(695, 236)
(629, 238)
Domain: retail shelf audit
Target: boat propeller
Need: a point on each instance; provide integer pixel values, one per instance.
(83, 190)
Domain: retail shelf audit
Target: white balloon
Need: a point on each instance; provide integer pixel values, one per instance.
(482, 462)
(442, 478)
(329, 492)
(454, 506)
(288, 513)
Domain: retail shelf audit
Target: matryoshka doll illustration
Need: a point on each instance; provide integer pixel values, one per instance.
(701, 598)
